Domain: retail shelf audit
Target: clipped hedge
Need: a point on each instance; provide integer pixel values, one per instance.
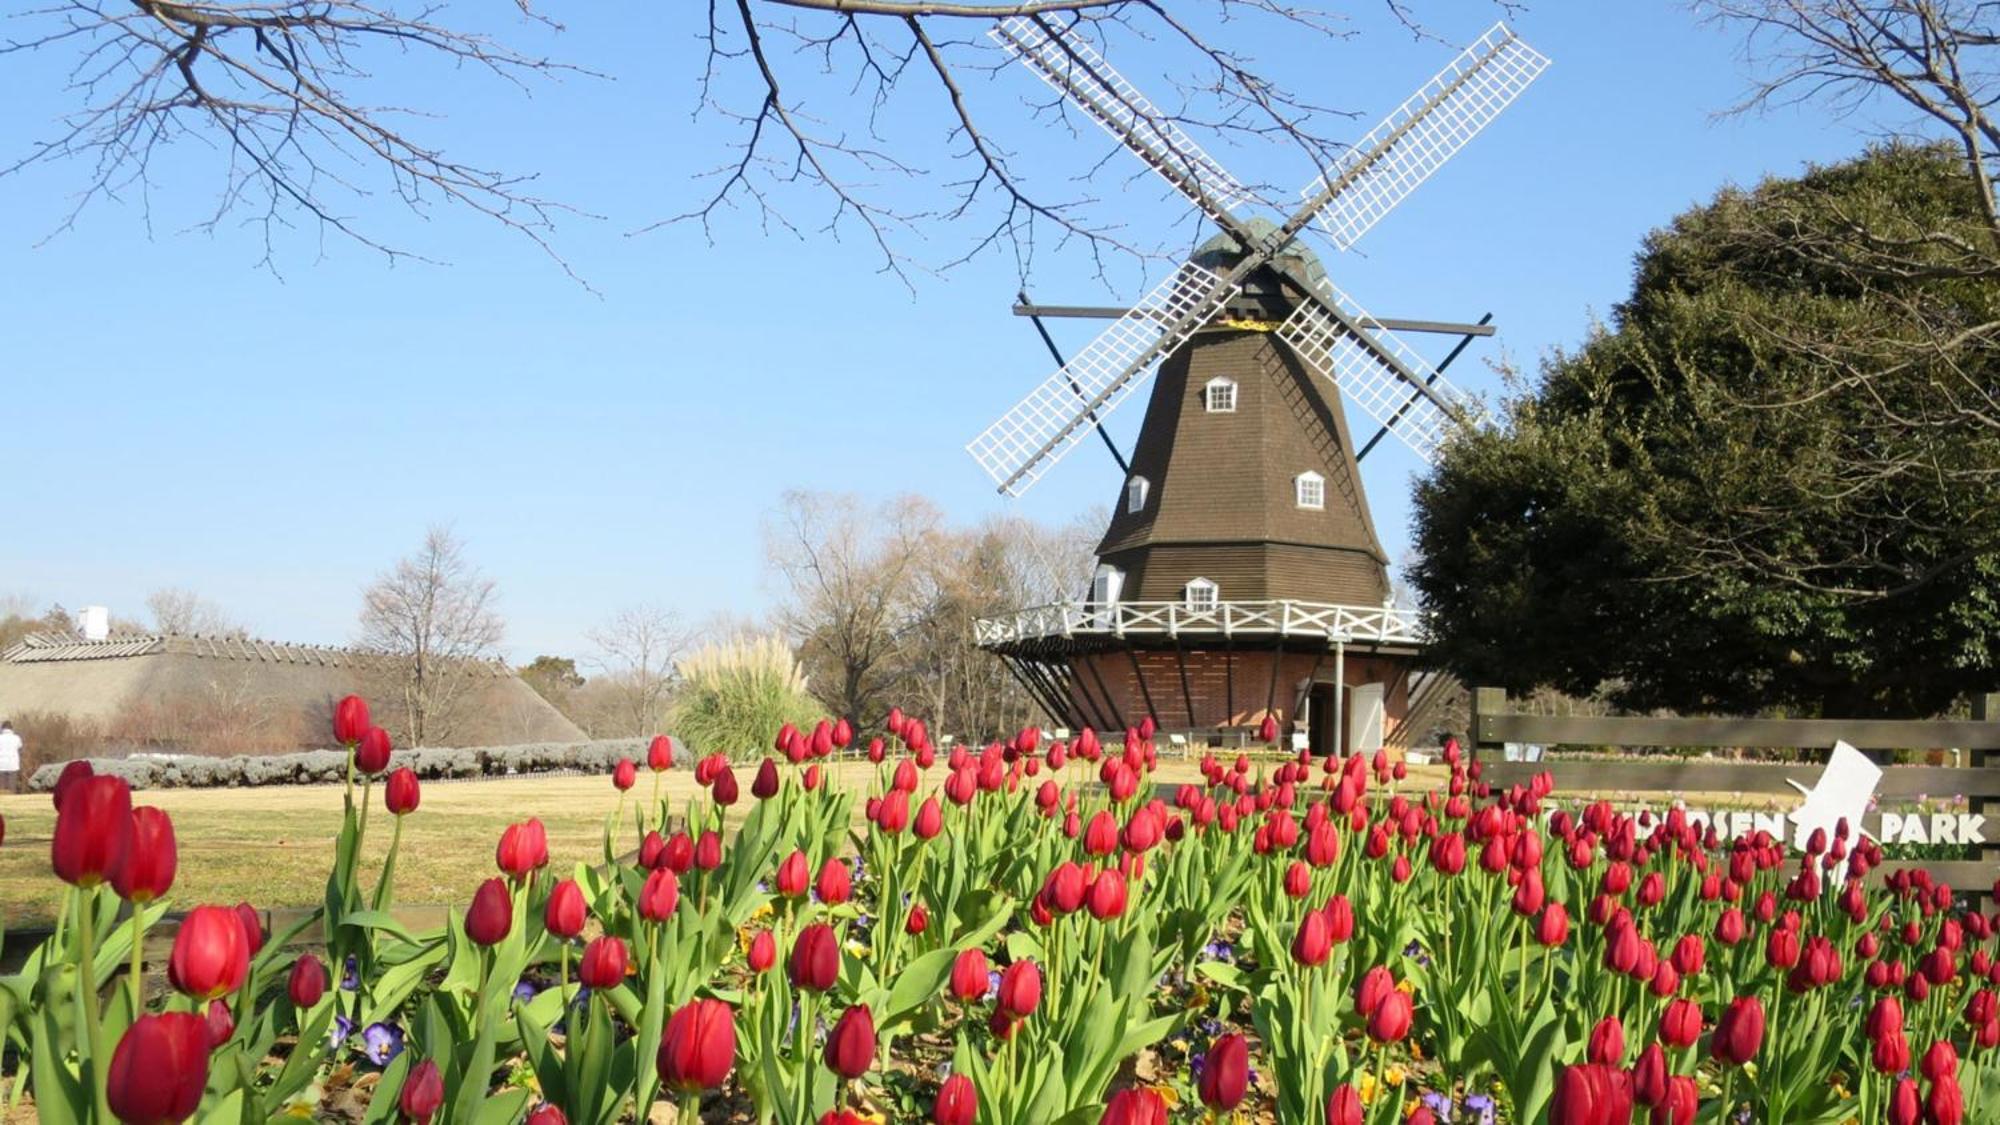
(330, 766)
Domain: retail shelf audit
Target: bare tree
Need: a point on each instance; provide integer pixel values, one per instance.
(850, 590)
(843, 100)
(636, 649)
(433, 620)
(182, 612)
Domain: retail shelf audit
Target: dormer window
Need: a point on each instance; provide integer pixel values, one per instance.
(1200, 595)
(1135, 493)
(1311, 490)
(1220, 395)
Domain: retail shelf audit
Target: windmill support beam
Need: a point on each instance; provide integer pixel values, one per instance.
(1394, 324)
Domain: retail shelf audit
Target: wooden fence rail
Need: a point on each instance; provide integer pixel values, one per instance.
(1974, 774)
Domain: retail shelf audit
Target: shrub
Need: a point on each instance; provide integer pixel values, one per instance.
(311, 767)
(733, 694)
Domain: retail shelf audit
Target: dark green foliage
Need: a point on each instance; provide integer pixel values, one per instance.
(1772, 482)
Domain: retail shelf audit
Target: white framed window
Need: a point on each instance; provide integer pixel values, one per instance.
(1200, 594)
(1135, 493)
(1106, 584)
(1220, 395)
(1310, 489)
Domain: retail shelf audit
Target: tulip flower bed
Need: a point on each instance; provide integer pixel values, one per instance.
(1027, 934)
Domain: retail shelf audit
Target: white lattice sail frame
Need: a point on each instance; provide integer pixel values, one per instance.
(1384, 167)
(1027, 440)
(1075, 69)
(1360, 373)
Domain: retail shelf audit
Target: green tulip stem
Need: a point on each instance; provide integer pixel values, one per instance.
(1775, 1083)
(690, 1108)
(349, 798)
(656, 805)
(563, 981)
(136, 973)
(367, 787)
(86, 996)
(1521, 986)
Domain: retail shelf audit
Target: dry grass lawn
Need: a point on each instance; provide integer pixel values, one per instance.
(273, 846)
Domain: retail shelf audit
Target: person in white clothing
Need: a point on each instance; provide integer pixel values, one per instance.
(10, 759)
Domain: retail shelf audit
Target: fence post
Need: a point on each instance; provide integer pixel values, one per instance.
(1986, 709)
(1486, 701)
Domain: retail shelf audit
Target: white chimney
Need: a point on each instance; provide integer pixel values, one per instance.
(94, 622)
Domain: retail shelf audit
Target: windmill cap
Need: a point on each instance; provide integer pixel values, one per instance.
(1295, 260)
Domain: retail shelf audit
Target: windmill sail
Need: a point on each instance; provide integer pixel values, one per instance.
(1016, 450)
(1382, 375)
(1384, 167)
(1074, 69)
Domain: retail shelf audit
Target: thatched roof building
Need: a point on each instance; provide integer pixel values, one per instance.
(146, 688)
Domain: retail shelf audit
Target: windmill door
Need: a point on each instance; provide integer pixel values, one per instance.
(1322, 719)
(1366, 717)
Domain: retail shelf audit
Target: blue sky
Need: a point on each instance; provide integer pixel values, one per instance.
(170, 414)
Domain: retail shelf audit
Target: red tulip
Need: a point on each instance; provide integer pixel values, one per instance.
(699, 1046)
(1339, 918)
(815, 963)
(371, 754)
(307, 982)
(1066, 887)
(401, 795)
(604, 963)
(159, 1069)
(708, 851)
(1945, 1104)
(1739, 1032)
(1649, 1075)
(930, 819)
(1391, 1019)
(1607, 1042)
(1135, 1105)
(1680, 1023)
(1020, 988)
(523, 848)
(490, 918)
(148, 870)
(957, 1102)
(1313, 944)
(918, 920)
(968, 976)
(850, 1046)
(652, 850)
(678, 855)
(765, 785)
(834, 884)
(660, 753)
(350, 720)
(93, 830)
(1107, 895)
(253, 927)
(792, 875)
(219, 1023)
(1591, 1094)
(565, 912)
(1682, 1103)
(1225, 1073)
(660, 895)
(1552, 929)
(1343, 1107)
(423, 1092)
(1905, 1105)
(763, 952)
(210, 957)
(625, 774)
(724, 790)
(1376, 984)
(547, 1113)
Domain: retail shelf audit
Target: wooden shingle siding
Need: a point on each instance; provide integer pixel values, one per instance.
(1222, 502)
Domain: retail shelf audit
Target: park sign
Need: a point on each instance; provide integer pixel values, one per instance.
(1845, 791)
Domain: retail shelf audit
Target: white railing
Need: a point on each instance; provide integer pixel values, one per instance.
(1344, 623)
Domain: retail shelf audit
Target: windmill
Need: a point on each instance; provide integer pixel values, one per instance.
(1242, 549)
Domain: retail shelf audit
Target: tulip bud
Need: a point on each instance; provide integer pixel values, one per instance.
(1905, 1106)
(763, 952)
(1391, 1019)
(307, 983)
(1020, 989)
(350, 720)
(220, 1024)
(708, 851)
(1107, 895)
(625, 774)
(490, 918)
(660, 894)
(93, 830)
(815, 963)
(1135, 1105)
(1313, 944)
(565, 912)
(918, 920)
(1225, 1073)
(968, 976)
(423, 1091)
(698, 1047)
(1343, 1107)
(148, 870)
(1376, 984)
(210, 957)
(548, 1113)
(523, 848)
(660, 753)
(371, 754)
(1739, 1032)
(850, 1046)
(159, 1068)
(604, 963)
(957, 1102)
(1589, 1093)
(725, 791)
(401, 795)
(834, 885)
(930, 819)
(1607, 1042)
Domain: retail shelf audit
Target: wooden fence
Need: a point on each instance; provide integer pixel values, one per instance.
(1975, 775)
